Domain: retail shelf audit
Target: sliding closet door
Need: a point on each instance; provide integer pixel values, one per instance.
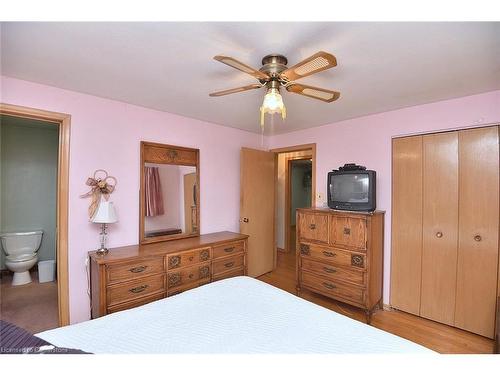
(440, 227)
(406, 255)
(478, 228)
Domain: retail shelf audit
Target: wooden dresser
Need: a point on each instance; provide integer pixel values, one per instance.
(340, 255)
(131, 276)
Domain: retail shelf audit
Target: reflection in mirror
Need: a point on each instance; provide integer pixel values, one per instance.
(170, 203)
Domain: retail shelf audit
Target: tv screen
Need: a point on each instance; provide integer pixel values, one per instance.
(351, 188)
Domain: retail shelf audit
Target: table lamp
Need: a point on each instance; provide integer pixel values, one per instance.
(105, 215)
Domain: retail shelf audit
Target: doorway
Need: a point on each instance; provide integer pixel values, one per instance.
(295, 187)
(35, 159)
(298, 176)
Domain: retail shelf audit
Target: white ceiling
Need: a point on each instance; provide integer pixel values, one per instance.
(168, 66)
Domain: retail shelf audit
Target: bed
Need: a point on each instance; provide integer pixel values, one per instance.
(236, 315)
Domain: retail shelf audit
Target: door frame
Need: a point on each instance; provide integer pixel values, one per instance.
(303, 147)
(288, 195)
(64, 123)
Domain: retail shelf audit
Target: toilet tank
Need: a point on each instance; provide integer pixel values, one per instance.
(21, 242)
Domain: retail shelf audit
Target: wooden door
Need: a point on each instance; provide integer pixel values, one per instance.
(478, 231)
(440, 227)
(257, 208)
(407, 198)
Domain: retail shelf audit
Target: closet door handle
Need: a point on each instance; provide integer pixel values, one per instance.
(477, 238)
(439, 234)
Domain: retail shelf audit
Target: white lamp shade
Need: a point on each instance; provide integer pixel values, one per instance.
(105, 213)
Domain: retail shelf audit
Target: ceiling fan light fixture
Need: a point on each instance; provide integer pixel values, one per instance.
(273, 103)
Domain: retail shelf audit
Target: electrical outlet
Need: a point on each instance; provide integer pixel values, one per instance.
(319, 198)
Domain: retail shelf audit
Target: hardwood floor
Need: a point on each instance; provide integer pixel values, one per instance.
(436, 336)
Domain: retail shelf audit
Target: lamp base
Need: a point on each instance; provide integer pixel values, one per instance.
(102, 251)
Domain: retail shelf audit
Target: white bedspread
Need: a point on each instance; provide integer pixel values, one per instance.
(237, 315)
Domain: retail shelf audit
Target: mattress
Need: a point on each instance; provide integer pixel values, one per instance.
(236, 315)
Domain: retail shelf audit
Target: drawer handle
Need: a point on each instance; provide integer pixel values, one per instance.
(329, 285)
(138, 269)
(230, 264)
(329, 270)
(312, 226)
(191, 275)
(191, 258)
(329, 254)
(229, 249)
(347, 231)
(477, 238)
(439, 234)
(139, 289)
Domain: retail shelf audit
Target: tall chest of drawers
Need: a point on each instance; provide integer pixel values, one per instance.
(340, 255)
(131, 276)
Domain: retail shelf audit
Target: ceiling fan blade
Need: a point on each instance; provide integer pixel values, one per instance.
(314, 92)
(238, 89)
(313, 64)
(240, 66)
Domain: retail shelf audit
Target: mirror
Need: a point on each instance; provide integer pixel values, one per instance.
(169, 192)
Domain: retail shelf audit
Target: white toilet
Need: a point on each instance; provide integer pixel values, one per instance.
(21, 249)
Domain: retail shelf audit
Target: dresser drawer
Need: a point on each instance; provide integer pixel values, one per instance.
(348, 275)
(348, 232)
(135, 303)
(227, 264)
(129, 270)
(187, 258)
(228, 249)
(313, 227)
(227, 275)
(183, 288)
(332, 288)
(188, 275)
(334, 256)
(127, 291)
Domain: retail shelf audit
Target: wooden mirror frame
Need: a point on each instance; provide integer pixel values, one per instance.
(173, 155)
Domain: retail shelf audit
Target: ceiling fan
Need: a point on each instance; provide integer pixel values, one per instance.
(275, 74)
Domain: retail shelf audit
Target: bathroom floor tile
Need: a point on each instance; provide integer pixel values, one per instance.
(32, 306)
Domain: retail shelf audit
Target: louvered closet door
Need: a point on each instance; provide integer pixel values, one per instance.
(478, 230)
(406, 255)
(440, 227)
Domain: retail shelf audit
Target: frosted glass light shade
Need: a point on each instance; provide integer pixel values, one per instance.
(273, 103)
(105, 214)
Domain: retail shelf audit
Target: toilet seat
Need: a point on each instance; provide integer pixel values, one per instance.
(20, 257)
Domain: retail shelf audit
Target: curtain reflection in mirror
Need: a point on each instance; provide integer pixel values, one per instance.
(153, 192)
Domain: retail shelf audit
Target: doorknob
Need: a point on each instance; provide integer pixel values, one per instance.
(244, 220)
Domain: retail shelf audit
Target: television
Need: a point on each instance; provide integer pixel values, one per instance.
(352, 189)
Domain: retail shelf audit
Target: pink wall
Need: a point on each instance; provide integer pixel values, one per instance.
(105, 134)
(367, 141)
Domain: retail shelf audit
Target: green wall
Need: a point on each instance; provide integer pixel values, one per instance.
(28, 180)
